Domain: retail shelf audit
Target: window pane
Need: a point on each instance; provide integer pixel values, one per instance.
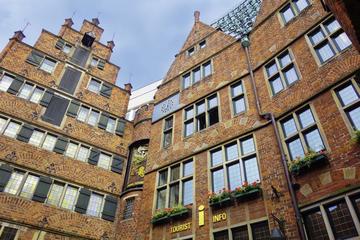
(37, 94)
(287, 13)
(231, 151)
(285, 59)
(175, 173)
(276, 85)
(168, 123)
(201, 122)
(161, 198)
(315, 226)
(189, 128)
(223, 235)
(239, 105)
(216, 157)
(8, 233)
(67, 48)
(325, 52)
(355, 117)
(218, 180)
(247, 146)
(348, 95)
(301, 4)
(191, 51)
(69, 198)
(29, 186)
(48, 65)
(342, 41)
(71, 149)
(341, 220)
(36, 138)
(83, 154)
(189, 113)
(188, 192)
(14, 183)
(55, 194)
(93, 118)
(94, 62)
(240, 233)
(82, 115)
(167, 138)
(237, 89)
(316, 36)
(5, 82)
(291, 75)
(289, 127)
(271, 69)
(251, 170)
(110, 127)
(207, 69)
(332, 25)
(202, 44)
(213, 115)
(25, 91)
(174, 195)
(94, 86)
(186, 80)
(95, 204)
(306, 118)
(129, 208)
(188, 168)
(163, 177)
(212, 101)
(2, 123)
(296, 149)
(260, 231)
(196, 75)
(234, 176)
(12, 129)
(49, 142)
(200, 107)
(314, 141)
(104, 161)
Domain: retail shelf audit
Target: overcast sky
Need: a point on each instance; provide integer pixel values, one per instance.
(148, 33)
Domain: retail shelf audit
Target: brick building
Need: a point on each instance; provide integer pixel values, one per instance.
(260, 109)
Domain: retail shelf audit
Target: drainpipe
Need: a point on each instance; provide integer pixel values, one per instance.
(245, 42)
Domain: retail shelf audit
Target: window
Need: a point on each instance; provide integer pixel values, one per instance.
(260, 231)
(36, 138)
(55, 194)
(37, 95)
(71, 149)
(94, 86)
(26, 91)
(206, 114)
(14, 183)
(328, 39)
(48, 65)
(175, 185)
(223, 235)
(129, 208)
(5, 82)
(7, 233)
(315, 225)
(167, 132)
(83, 154)
(55, 110)
(95, 205)
(49, 142)
(301, 133)
(349, 97)
(67, 48)
(191, 51)
(29, 186)
(281, 72)
(83, 113)
(292, 9)
(196, 74)
(233, 164)
(96, 62)
(202, 44)
(93, 117)
(69, 198)
(238, 98)
(30, 92)
(104, 161)
(12, 129)
(3, 122)
(110, 127)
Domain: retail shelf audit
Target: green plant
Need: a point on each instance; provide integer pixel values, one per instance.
(247, 187)
(178, 208)
(306, 161)
(357, 136)
(161, 213)
(218, 197)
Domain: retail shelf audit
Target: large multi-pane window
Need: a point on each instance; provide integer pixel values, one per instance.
(95, 205)
(104, 161)
(255, 231)
(195, 75)
(29, 186)
(301, 133)
(168, 131)
(14, 184)
(201, 115)
(349, 98)
(281, 72)
(328, 39)
(48, 65)
(238, 98)
(70, 196)
(234, 163)
(8, 233)
(175, 185)
(334, 219)
(22, 184)
(55, 193)
(292, 9)
(31, 92)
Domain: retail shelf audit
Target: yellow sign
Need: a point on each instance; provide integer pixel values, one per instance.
(201, 215)
(219, 217)
(180, 228)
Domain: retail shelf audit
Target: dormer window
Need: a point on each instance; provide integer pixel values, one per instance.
(191, 51)
(88, 39)
(202, 44)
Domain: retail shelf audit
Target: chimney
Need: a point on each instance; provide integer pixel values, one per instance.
(128, 87)
(95, 21)
(111, 45)
(197, 16)
(68, 22)
(18, 35)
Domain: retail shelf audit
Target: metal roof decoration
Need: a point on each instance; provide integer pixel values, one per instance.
(239, 21)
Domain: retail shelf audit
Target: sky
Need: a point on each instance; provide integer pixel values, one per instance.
(148, 33)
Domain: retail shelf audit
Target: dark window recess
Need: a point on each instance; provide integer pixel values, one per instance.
(35, 58)
(201, 121)
(213, 116)
(73, 109)
(8, 233)
(80, 56)
(70, 80)
(5, 174)
(25, 133)
(106, 90)
(109, 208)
(101, 64)
(260, 231)
(61, 145)
(104, 118)
(240, 233)
(60, 44)
(15, 86)
(42, 189)
(314, 225)
(94, 156)
(117, 164)
(55, 111)
(120, 127)
(46, 98)
(223, 235)
(83, 201)
(88, 39)
(129, 208)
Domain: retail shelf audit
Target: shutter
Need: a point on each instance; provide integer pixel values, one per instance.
(73, 109)
(109, 210)
(46, 98)
(120, 127)
(104, 118)
(101, 64)
(60, 145)
(5, 174)
(25, 133)
(55, 112)
(35, 58)
(70, 80)
(15, 86)
(42, 189)
(106, 90)
(60, 44)
(94, 156)
(80, 56)
(83, 201)
(117, 164)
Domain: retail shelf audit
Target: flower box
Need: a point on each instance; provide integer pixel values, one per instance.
(244, 196)
(168, 214)
(160, 220)
(225, 202)
(312, 161)
(181, 214)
